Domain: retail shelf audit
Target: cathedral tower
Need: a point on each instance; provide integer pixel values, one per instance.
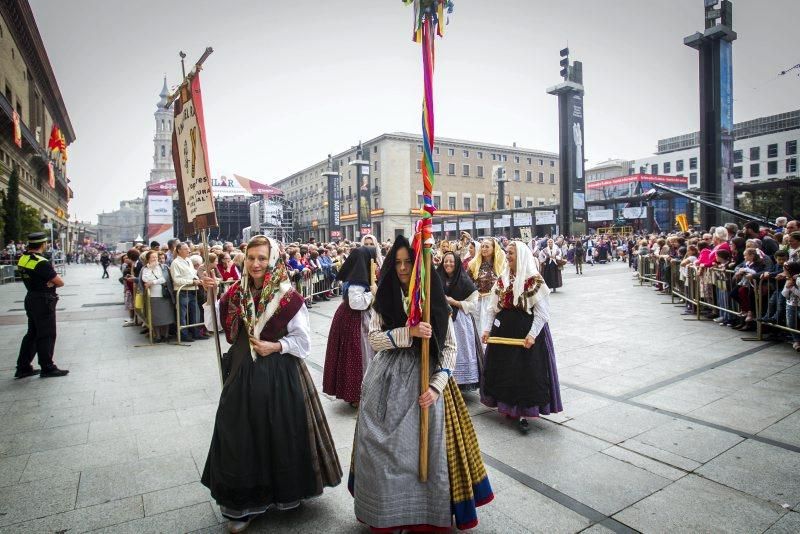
(162, 141)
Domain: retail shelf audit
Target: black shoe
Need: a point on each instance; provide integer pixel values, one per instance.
(55, 371)
(185, 339)
(523, 426)
(25, 373)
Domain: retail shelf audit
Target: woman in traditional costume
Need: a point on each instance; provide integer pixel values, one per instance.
(271, 446)
(462, 296)
(349, 351)
(472, 250)
(484, 270)
(551, 258)
(370, 240)
(384, 472)
(520, 380)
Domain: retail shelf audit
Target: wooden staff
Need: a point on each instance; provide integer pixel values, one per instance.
(372, 269)
(506, 341)
(424, 368)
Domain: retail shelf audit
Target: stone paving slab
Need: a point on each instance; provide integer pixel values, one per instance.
(119, 444)
(694, 504)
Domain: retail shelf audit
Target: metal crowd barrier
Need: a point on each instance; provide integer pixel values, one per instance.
(760, 323)
(646, 271)
(7, 274)
(178, 325)
(317, 283)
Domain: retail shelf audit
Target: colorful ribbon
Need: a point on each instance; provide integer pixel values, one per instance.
(428, 16)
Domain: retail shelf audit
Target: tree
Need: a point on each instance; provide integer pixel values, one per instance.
(11, 210)
(28, 221)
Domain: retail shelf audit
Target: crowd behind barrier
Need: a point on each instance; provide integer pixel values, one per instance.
(746, 279)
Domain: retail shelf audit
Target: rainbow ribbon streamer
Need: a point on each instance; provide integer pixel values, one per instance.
(428, 17)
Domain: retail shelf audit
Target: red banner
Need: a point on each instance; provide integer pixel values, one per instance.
(653, 178)
(51, 175)
(17, 129)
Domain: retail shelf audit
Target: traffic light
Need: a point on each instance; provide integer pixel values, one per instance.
(564, 53)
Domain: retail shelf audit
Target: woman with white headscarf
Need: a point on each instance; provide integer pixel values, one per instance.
(370, 240)
(520, 380)
(271, 446)
(550, 259)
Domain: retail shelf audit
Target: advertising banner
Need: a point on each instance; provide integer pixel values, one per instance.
(523, 219)
(575, 157)
(502, 222)
(159, 218)
(334, 204)
(364, 199)
(483, 224)
(465, 225)
(190, 157)
(600, 215)
(17, 131)
(726, 122)
(633, 178)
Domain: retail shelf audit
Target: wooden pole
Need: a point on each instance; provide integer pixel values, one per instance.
(212, 296)
(372, 269)
(425, 368)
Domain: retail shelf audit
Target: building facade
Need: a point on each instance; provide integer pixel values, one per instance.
(466, 183)
(30, 94)
(124, 224)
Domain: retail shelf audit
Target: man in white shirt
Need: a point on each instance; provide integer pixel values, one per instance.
(184, 276)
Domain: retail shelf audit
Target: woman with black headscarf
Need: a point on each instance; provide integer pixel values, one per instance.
(462, 296)
(384, 472)
(349, 352)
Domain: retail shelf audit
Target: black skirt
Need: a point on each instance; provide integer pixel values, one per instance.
(516, 376)
(260, 453)
(551, 274)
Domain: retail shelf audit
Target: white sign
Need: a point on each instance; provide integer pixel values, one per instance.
(600, 215)
(525, 233)
(502, 222)
(436, 228)
(159, 209)
(545, 217)
(449, 226)
(482, 224)
(639, 212)
(465, 225)
(523, 219)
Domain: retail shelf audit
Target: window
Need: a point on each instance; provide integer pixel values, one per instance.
(8, 94)
(436, 150)
(465, 153)
(494, 157)
(420, 200)
(678, 166)
(552, 163)
(451, 203)
(419, 165)
(467, 204)
(480, 171)
(376, 166)
(451, 169)
(692, 164)
(737, 156)
(528, 176)
(516, 159)
(755, 153)
(692, 178)
(163, 151)
(737, 172)
(529, 203)
(375, 149)
(791, 148)
(772, 150)
(791, 165)
(481, 204)
(517, 203)
(755, 170)
(480, 155)
(437, 200)
(541, 162)
(451, 152)
(772, 168)
(435, 167)
(530, 161)
(465, 170)
(667, 167)
(541, 202)
(541, 177)
(505, 157)
(516, 175)
(654, 168)
(552, 178)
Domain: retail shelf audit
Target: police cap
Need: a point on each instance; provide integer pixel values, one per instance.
(36, 238)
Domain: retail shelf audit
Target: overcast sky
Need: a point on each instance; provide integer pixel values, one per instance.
(290, 82)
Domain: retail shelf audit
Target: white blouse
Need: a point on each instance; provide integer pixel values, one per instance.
(156, 278)
(541, 314)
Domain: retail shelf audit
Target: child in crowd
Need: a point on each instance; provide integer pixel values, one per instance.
(791, 292)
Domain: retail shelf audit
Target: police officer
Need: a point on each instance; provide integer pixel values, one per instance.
(41, 281)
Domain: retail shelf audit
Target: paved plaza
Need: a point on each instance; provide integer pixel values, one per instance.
(669, 425)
